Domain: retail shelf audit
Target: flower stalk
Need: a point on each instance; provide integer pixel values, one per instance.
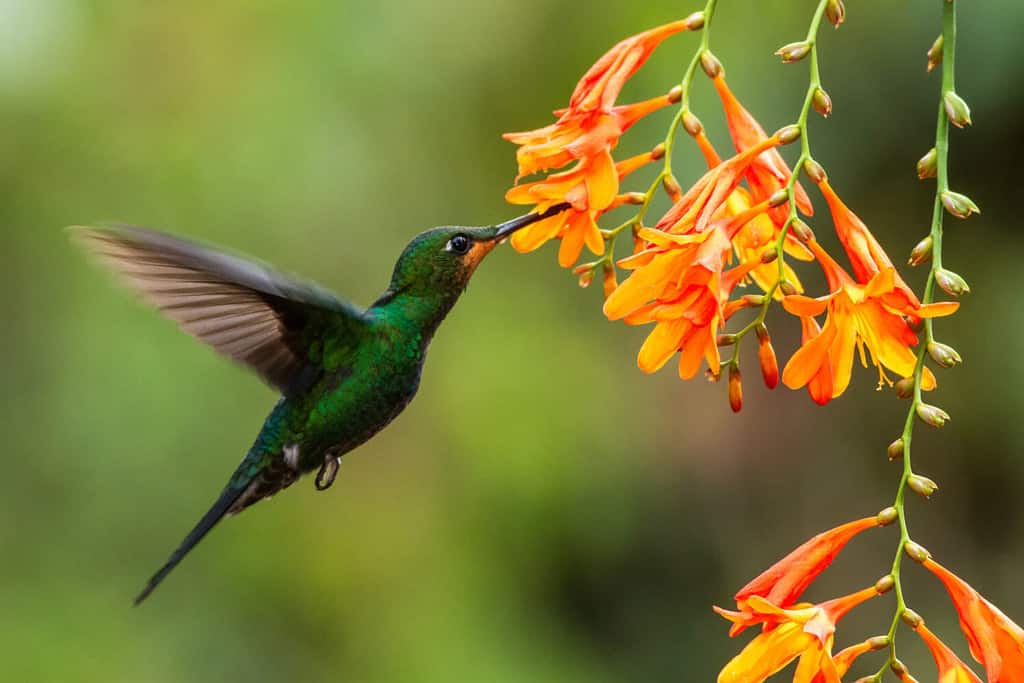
(939, 157)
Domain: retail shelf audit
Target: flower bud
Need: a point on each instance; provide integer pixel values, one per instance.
(766, 355)
(895, 449)
(735, 389)
(922, 251)
(904, 388)
(675, 95)
(887, 516)
(586, 278)
(884, 584)
(956, 109)
(927, 165)
(584, 267)
(694, 22)
(778, 198)
(787, 288)
(935, 53)
(726, 339)
(943, 354)
(960, 205)
(911, 618)
(953, 284)
(712, 374)
(916, 551)
(932, 415)
(692, 124)
(922, 486)
(671, 185)
(632, 198)
(658, 152)
(769, 255)
(794, 52)
(752, 300)
(815, 172)
(878, 642)
(822, 102)
(898, 668)
(801, 230)
(608, 278)
(835, 12)
(788, 134)
(709, 62)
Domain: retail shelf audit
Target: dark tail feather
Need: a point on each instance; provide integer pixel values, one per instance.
(220, 508)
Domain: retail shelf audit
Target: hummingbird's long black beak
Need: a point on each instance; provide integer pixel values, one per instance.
(508, 227)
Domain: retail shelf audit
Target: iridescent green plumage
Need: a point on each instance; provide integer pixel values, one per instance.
(344, 373)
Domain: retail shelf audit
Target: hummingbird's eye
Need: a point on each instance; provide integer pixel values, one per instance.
(459, 244)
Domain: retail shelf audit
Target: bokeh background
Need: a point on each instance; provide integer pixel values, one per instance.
(542, 511)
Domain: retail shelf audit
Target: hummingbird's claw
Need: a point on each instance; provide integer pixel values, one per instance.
(328, 471)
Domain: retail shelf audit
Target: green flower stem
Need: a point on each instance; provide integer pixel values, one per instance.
(636, 220)
(814, 82)
(942, 184)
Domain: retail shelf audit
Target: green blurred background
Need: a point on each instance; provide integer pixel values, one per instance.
(543, 511)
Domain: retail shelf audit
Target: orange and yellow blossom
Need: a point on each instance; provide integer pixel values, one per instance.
(680, 281)
(803, 631)
(867, 256)
(585, 189)
(770, 172)
(784, 582)
(760, 232)
(585, 132)
(996, 642)
(859, 316)
(951, 668)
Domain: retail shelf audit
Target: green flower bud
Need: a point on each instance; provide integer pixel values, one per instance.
(932, 415)
(935, 53)
(943, 354)
(951, 283)
(960, 205)
(922, 251)
(927, 165)
(956, 109)
(794, 52)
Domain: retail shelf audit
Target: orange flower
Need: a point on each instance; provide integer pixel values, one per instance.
(679, 282)
(996, 642)
(585, 132)
(866, 255)
(784, 582)
(695, 210)
(769, 173)
(804, 631)
(586, 188)
(760, 232)
(578, 136)
(859, 316)
(951, 668)
(600, 86)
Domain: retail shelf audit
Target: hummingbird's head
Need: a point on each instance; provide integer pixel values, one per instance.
(438, 263)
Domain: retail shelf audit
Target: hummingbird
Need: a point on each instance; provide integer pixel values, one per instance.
(343, 372)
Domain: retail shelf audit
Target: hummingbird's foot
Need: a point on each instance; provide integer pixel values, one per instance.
(328, 471)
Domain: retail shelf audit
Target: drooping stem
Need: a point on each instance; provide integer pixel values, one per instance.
(813, 84)
(938, 213)
(634, 222)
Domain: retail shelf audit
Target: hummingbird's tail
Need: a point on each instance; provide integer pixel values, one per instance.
(221, 507)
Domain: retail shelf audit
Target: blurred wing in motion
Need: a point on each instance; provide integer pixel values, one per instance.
(242, 308)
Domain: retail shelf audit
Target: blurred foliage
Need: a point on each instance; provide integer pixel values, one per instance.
(542, 511)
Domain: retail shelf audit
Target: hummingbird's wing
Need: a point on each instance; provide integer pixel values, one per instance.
(242, 308)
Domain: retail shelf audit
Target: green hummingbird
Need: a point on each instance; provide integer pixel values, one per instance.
(343, 372)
